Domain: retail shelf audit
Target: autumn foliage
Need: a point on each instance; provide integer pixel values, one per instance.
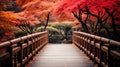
(35, 12)
(94, 15)
(7, 20)
(22, 2)
(92, 7)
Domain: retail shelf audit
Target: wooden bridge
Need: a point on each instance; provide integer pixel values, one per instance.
(29, 51)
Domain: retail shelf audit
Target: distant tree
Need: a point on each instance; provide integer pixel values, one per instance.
(53, 33)
(63, 28)
(52, 30)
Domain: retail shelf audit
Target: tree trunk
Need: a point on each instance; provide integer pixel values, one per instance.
(84, 25)
(48, 17)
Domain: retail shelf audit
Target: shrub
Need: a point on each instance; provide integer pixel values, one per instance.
(54, 36)
(20, 33)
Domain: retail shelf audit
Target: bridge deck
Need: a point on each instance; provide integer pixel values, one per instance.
(61, 55)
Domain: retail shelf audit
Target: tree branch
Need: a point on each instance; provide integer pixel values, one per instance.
(88, 11)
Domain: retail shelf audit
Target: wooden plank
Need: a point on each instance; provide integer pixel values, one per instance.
(61, 55)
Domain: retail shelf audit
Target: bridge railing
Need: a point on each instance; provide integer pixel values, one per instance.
(18, 52)
(103, 51)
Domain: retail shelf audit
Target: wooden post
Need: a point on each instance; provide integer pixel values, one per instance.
(101, 53)
(10, 61)
(110, 59)
(94, 49)
(20, 55)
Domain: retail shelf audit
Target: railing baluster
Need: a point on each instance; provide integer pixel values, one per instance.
(9, 61)
(103, 51)
(110, 59)
(19, 51)
(20, 55)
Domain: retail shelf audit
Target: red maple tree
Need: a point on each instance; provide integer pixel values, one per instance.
(37, 11)
(7, 20)
(98, 13)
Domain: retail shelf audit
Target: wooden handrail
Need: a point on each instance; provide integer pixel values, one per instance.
(105, 52)
(18, 52)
